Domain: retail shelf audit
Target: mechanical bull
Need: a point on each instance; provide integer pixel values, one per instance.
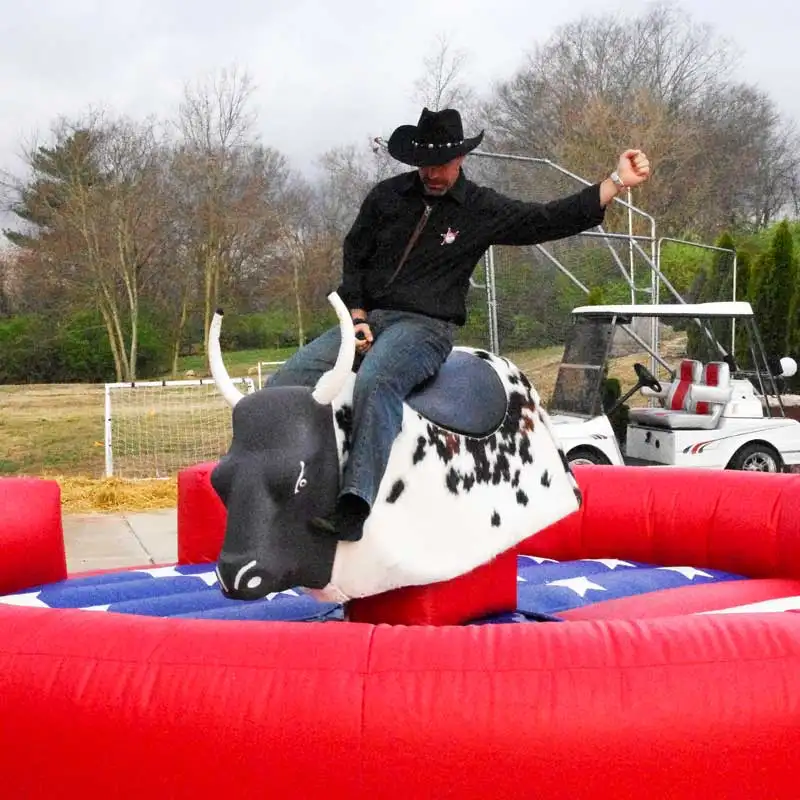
(475, 470)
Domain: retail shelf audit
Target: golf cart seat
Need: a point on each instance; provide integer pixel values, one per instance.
(694, 402)
(674, 396)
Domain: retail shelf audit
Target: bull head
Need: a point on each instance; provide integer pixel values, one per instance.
(281, 470)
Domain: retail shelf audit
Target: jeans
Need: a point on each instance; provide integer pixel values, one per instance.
(407, 349)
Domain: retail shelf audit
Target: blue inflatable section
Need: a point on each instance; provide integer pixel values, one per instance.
(545, 588)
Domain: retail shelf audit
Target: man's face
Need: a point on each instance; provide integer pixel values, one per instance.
(438, 180)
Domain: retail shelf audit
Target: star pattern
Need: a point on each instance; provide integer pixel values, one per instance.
(690, 573)
(579, 585)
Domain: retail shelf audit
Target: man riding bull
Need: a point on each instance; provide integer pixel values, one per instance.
(407, 261)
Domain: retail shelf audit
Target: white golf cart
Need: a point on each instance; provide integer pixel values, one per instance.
(711, 412)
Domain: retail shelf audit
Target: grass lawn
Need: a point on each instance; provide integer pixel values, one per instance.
(58, 430)
(240, 363)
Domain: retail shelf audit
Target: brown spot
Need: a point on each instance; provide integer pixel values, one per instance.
(453, 444)
(527, 422)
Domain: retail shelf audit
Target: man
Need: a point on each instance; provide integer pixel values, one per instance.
(407, 262)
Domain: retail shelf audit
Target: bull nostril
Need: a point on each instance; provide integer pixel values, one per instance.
(254, 582)
(240, 574)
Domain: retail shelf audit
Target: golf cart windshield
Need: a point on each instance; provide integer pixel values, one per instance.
(581, 372)
(615, 343)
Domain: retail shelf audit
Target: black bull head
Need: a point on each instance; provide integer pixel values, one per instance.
(281, 470)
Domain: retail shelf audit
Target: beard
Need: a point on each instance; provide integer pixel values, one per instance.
(435, 191)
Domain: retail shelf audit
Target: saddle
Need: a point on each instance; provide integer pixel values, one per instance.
(465, 396)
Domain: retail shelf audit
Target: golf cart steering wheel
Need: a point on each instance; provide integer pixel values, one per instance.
(646, 378)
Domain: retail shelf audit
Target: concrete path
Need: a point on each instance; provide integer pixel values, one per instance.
(106, 541)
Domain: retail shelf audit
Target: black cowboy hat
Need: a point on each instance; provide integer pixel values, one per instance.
(437, 138)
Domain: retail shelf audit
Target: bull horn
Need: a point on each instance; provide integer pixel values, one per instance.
(331, 383)
(218, 371)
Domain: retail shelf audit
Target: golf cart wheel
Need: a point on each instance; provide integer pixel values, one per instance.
(757, 458)
(581, 456)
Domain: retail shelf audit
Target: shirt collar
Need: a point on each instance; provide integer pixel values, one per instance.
(458, 191)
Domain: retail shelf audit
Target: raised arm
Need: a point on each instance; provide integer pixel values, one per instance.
(526, 223)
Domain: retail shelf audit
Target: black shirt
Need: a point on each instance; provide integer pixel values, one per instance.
(460, 227)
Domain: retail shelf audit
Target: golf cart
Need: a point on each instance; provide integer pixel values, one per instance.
(715, 408)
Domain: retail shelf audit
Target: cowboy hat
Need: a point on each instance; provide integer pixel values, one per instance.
(437, 138)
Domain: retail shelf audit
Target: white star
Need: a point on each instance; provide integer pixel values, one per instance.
(688, 572)
(27, 599)
(611, 563)
(162, 572)
(96, 608)
(209, 578)
(520, 579)
(273, 595)
(540, 560)
(579, 585)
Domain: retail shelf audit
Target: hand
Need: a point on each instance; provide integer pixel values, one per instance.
(633, 167)
(363, 337)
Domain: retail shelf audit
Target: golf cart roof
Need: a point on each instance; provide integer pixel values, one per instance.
(691, 310)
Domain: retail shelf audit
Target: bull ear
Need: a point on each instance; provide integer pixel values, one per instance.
(331, 383)
(218, 371)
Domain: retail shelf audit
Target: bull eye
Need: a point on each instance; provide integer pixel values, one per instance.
(301, 479)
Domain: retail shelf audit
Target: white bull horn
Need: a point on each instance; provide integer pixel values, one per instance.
(331, 383)
(218, 371)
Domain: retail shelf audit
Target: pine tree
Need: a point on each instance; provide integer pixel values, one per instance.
(713, 284)
(55, 169)
(774, 281)
(745, 294)
(793, 324)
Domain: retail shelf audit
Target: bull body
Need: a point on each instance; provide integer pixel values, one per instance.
(474, 471)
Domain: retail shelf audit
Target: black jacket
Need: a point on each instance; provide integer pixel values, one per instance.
(434, 279)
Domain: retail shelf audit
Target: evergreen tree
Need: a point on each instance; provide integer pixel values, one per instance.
(713, 284)
(793, 324)
(773, 281)
(723, 268)
(56, 170)
(743, 293)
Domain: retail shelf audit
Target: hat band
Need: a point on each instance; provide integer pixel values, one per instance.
(431, 146)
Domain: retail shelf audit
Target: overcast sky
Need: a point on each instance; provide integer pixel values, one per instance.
(326, 72)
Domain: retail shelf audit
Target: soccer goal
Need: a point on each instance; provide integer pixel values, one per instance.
(265, 369)
(153, 429)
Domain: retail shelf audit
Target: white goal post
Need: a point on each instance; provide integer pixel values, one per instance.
(267, 372)
(153, 429)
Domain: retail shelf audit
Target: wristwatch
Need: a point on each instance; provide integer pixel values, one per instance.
(618, 182)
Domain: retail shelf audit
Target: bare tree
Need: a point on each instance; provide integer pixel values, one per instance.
(440, 84)
(348, 173)
(225, 177)
(660, 82)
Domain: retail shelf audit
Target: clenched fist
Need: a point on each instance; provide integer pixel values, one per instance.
(363, 337)
(633, 168)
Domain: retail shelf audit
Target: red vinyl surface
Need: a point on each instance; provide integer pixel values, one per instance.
(97, 705)
(697, 706)
(31, 534)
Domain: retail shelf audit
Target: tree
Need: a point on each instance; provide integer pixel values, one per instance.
(93, 202)
(53, 170)
(722, 155)
(714, 284)
(228, 182)
(775, 272)
(440, 83)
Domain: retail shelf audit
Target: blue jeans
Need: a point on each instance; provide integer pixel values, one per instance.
(407, 348)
